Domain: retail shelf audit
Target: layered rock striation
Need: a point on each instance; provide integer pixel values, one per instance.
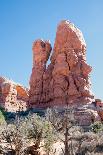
(66, 79)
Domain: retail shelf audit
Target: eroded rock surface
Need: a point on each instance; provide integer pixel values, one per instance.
(66, 79)
(41, 52)
(13, 97)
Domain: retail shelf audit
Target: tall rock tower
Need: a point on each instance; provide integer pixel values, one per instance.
(66, 79)
(41, 52)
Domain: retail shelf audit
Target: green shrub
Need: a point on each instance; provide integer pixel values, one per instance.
(2, 118)
(3, 111)
(97, 127)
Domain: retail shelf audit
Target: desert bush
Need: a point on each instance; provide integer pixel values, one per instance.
(96, 127)
(26, 135)
(32, 129)
(13, 136)
(2, 118)
(76, 140)
(39, 129)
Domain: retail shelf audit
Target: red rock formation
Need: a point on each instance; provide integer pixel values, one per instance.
(66, 79)
(13, 97)
(64, 82)
(41, 52)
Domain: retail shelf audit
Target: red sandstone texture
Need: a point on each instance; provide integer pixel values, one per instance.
(66, 79)
(13, 97)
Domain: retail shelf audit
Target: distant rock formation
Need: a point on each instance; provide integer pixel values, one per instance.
(66, 79)
(13, 97)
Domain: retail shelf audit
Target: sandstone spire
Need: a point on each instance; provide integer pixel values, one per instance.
(41, 51)
(66, 79)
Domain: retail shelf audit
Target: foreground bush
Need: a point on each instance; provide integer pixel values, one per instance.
(76, 141)
(97, 127)
(2, 118)
(24, 131)
(28, 135)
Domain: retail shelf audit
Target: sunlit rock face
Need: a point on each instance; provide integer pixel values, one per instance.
(13, 97)
(66, 79)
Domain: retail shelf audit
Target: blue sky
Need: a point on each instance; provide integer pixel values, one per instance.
(23, 21)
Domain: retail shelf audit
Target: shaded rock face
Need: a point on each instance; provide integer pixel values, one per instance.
(13, 97)
(66, 79)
